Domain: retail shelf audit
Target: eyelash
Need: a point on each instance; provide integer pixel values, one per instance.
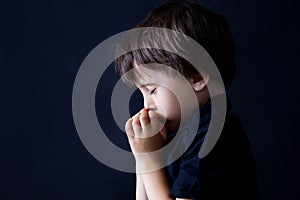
(152, 91)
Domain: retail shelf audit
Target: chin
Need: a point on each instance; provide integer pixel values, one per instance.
(171, 126)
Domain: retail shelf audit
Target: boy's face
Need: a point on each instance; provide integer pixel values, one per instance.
(159, 91)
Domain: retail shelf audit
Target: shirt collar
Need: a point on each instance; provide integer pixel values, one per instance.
(205, 112)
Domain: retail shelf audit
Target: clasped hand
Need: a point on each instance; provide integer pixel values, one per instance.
(145, 132)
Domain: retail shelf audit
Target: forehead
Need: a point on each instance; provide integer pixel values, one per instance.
(144, 76)
(152, 69)
(150, 77)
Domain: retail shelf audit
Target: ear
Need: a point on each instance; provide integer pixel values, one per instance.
(200, 82)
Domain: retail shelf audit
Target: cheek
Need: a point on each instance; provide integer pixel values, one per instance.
(170, 106)
(175, 106)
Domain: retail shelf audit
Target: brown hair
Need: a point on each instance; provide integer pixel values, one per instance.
(207, 28)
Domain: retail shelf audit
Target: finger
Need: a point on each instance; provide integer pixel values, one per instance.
(136, 119)
(137, 129)
(153, 116)
(155, 123)
(137, 114)
(155, 126)
(144, 119)
(129, 129)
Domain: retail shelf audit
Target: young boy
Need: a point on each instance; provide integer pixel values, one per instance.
(228, 171)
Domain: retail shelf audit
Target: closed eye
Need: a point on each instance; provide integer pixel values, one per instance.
(152, 91)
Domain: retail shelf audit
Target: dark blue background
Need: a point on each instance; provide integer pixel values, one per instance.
(42, 45)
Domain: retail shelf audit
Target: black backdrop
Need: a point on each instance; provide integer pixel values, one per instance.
(42, 45)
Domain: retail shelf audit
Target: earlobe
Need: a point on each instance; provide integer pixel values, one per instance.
(200, 83)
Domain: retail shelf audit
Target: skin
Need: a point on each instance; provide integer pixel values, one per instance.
(146, 131)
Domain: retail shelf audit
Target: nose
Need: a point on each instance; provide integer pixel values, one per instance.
(148, 102)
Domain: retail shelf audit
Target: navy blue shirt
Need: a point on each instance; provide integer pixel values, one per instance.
(227, 172)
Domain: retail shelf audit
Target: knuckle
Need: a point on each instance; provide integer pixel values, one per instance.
(152, 113)
(127, 124)
(127, 129)
(134, 119)
(143, 117)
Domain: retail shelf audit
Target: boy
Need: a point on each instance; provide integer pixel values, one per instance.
(228, 171)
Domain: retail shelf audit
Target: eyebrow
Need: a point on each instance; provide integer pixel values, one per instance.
(147, 84)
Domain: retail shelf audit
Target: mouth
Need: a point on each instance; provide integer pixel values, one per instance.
(161, 119)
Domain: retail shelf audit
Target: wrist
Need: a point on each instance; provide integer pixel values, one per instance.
(148, 162)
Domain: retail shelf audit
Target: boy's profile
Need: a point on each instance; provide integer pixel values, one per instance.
(228, 171)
